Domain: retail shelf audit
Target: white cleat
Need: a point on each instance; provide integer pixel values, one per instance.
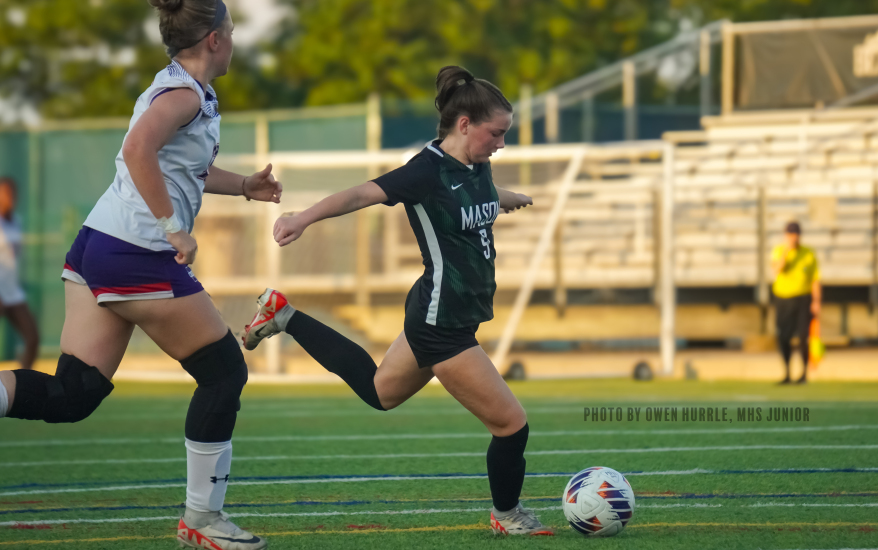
(214, 531)
(518, 521)
(271, 318)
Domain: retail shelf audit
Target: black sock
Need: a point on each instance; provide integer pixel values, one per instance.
(338, 355)
(506, 468)
(805, 350)
(786, 351)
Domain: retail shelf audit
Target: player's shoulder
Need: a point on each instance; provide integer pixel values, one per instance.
(174, 72)
(423, 164)
(175, 76)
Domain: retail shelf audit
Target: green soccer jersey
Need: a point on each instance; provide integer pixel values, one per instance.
(451, 208)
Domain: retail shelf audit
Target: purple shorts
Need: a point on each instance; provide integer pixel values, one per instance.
(118, 271)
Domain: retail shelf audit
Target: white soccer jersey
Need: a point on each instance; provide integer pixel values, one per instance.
(11, 293)
(185, 161)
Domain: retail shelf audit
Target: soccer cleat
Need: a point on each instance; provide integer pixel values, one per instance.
(271, 318)
(518, 521)
(214, 531)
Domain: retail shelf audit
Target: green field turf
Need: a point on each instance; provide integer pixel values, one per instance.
(315, 468)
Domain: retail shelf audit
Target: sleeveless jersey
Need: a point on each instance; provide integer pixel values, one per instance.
(185, 162)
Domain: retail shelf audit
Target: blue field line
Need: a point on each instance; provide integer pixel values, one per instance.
(147, 482)
(306, 503)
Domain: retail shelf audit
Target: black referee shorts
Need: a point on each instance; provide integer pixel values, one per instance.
(431, 344)
(793, 317)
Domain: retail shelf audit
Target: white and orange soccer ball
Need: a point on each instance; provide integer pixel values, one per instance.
(598, 502)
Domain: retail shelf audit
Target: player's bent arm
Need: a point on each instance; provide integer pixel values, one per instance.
(510, 201)
(153, 130)
(779, 264)
(223, 182)
(779, 261)
(260, 186)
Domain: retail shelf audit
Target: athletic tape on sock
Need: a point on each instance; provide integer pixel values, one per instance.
(282, 317)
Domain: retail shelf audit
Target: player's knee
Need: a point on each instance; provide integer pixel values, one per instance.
(71, 395)
(511, 422)
(390, 403)
(221, 373)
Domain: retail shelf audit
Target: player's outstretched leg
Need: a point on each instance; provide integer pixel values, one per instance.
(471, 378)
(333, 351)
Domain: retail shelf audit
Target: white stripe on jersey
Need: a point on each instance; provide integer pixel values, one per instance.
(436, 256)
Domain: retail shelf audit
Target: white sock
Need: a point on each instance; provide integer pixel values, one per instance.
(4, 400)
(207, 475)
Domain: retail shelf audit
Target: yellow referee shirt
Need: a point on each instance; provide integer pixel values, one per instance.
(799, 273)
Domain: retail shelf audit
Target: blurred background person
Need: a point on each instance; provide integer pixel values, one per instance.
(13, 304)
(797, 295)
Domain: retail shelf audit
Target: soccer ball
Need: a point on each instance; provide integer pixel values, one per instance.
(598, 502)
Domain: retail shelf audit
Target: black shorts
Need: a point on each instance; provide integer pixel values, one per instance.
(432, 345)
(793, 317)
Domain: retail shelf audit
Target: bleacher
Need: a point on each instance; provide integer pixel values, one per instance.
(818, 169)
(734, 185)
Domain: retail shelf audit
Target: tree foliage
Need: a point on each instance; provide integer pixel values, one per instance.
(77, 58)
(93, 58)
(340, 50)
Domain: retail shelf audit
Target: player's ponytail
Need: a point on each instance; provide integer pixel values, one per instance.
(185, 23)
(459, 93)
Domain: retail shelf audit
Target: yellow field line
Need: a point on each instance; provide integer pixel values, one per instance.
(471, 527)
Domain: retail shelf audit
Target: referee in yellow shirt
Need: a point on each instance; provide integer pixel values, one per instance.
(797, 295)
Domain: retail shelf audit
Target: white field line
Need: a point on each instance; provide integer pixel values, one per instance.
(336, 513)
(344, 412)
(395, 456)
(309, 481)
(413, 436)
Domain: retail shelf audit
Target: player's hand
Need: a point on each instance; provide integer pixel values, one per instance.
(262, 186)
(185, 246)
(815, 308)
(519, 201)
(288, 228)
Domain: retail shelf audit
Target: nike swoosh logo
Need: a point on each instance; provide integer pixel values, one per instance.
(253, 540)
(453, 187)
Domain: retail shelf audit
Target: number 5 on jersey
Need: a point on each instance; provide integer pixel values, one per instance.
(487, 242)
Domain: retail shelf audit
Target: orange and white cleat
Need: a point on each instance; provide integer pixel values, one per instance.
(214, 531)
(271, 318)
(518, 521)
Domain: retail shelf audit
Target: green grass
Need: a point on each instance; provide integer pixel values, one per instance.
(289, 432)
